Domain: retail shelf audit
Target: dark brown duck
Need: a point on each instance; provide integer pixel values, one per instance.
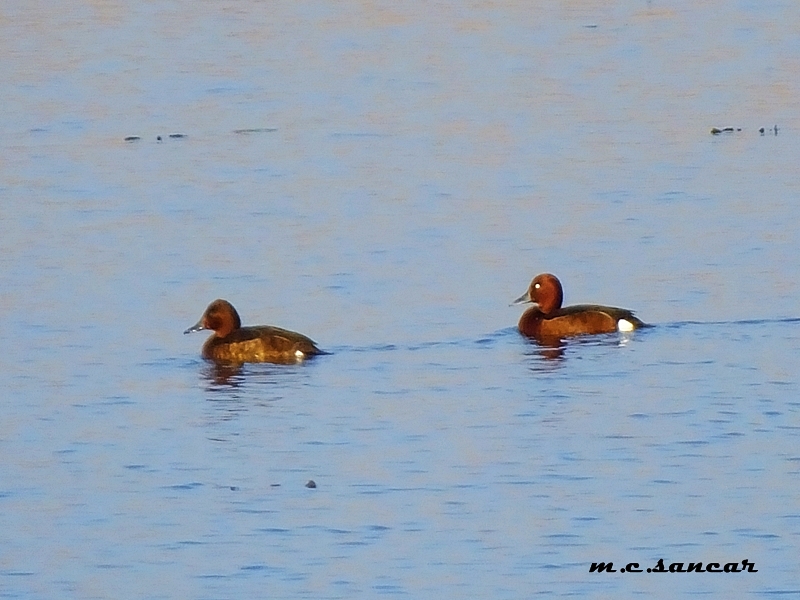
(548, 320)
(233, 343)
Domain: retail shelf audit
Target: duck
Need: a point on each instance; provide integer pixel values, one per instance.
(548, 320)
(232, 343)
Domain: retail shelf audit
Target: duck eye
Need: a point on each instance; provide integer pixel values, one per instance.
(537, 285)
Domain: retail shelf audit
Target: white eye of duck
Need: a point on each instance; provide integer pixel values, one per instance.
(537, 285)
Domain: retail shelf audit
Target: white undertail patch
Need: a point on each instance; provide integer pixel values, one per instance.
(299, 354)
(624, 325)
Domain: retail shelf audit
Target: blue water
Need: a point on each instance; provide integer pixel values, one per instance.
(387, 179)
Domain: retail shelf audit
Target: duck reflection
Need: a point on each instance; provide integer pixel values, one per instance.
(228, 375)
(550, 348)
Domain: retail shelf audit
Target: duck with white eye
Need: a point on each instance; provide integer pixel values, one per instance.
(548, 319)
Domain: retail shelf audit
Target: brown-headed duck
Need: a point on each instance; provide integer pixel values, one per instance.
(548, 320)
(233, 343)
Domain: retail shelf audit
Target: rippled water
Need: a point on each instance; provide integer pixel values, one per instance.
(386, 179)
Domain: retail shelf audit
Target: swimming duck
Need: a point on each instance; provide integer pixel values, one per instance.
(233, 343)
(547, 319)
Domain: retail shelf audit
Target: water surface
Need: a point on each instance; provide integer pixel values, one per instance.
(386, 179)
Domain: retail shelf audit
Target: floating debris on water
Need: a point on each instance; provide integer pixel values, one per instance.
(132, 138)
(311, 484)
(256, 130)
(717, 131)
(761, 130)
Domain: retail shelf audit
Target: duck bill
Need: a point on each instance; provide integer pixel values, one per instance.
(196, 327)
(526, 297)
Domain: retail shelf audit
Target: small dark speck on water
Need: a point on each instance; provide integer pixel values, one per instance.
(177, 136)
(311, 484)
(274, 485)
(132, 138)
(158, 138)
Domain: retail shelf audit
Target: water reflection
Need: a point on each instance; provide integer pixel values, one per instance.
(222, 375)
(552, 351)
(550, 348)
(227, 376)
